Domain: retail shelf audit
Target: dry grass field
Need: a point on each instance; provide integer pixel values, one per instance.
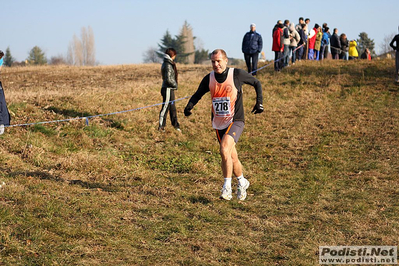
(322, 159)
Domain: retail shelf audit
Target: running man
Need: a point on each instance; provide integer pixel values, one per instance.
(225, 86)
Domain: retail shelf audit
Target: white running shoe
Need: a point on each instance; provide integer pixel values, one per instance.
(226, 194)
(242, 190)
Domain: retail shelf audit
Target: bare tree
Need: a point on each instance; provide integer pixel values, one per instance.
(57, 60)
(81, 52)
(151, 56)
(77, 51)
(90, 48)
(69, 58)
(384, 46)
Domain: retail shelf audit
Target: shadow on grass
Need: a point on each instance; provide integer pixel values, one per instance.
(68, 112)
(42, 175)
(71, 113)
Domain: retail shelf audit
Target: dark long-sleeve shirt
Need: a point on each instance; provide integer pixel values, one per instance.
(240, 77)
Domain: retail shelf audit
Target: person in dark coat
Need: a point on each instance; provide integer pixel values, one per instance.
(396, 48)
(169, 85)
(252, 45)
(335, 45)
(344, 47)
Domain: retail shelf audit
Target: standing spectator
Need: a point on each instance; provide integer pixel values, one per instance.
(396, 48)
(169, 85)
(307, 22)
(325, 43)
(366, 55)
(335, 45)
(344, 47)
(306, 48)
(278, 45)
(317, 45)
(295, 38)
(298, 26)
(286, 42)
(251, 47)
(312, 41)
(302, 41)
(353, 54)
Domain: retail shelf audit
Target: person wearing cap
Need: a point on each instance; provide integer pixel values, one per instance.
(252, 45)
(396, 48)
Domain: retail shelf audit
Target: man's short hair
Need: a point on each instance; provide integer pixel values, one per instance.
(215, 52)
(301, 18)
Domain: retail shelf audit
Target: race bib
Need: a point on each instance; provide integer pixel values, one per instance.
(221, 106)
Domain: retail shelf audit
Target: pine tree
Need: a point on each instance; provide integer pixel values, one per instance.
(37, 56)
(365, 42)
(189, 48)
(8, 59)
(177, 43)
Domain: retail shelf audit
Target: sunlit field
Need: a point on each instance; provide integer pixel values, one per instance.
(322, 159)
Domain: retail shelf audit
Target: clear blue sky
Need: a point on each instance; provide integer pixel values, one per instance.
(124, 30)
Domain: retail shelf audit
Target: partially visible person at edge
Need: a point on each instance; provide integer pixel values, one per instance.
(353, 53)
(286, 42)
(295, 38)
(395, 45)
(1, 59)
(302, 42)
(366, 54)
(335, 45)
(225, 86)
(4, 114)
(252, 45)
(344, 47)
(169, 85)
(325, 43)
(278, 46)
(312, 42)
(317, 45)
